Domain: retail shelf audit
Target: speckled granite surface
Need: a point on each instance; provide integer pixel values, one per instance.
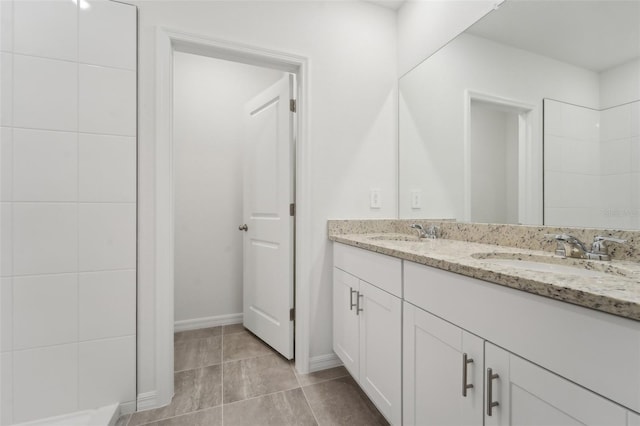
(612, 287)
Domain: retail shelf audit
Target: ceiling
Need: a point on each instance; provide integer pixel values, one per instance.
(596, 35)
(389, 4)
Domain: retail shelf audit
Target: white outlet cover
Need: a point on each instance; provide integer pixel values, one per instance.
(375, 198)
(416, 199)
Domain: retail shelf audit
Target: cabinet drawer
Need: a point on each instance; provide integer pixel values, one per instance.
(598, 351)
(384, 272)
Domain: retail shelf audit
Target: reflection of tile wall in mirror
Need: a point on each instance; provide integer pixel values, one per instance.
(592, 182)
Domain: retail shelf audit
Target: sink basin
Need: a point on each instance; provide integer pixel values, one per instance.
(395, 237)
(547, 267)
(553, 264)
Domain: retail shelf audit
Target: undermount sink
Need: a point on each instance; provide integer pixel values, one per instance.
(552, 264)
(395, 237)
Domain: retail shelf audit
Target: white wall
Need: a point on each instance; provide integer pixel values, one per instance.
(620, 85)
(209, 98)
(426, 26)
(432, 124)
(68, 210)
(351, 48)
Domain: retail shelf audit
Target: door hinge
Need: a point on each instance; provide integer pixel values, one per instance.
(292, 314)
(292, 209)
(292, 105)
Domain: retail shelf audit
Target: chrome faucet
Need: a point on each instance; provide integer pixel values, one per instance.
(570, 246)
(431, 232)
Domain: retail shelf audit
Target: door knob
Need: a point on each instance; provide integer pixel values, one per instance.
(244, 228)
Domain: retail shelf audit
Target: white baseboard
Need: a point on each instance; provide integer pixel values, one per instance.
(147, 400)
(127, 408)
(196, 323)
(323, 362)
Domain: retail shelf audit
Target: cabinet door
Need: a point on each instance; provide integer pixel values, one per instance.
(528, 395)
(634, 419)
(381, 349)
(434, 371)
(345, 320)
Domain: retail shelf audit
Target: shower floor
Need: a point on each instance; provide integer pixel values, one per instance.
(227, 376)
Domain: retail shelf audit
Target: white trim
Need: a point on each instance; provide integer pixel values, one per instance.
(147, 400)
(323, 362)
(127, 408)
(206, 322)
(103, 416)
(166, 42)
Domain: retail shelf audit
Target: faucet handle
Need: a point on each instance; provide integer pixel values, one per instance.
(601, 249)
(560, 237)
(599, 238)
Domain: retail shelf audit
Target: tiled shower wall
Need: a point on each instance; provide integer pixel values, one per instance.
(68, 206)
(592, 165)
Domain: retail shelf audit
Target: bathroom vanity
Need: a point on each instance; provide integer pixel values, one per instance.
(477, 340)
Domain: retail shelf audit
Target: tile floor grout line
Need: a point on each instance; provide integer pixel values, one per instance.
(260, 396)
(313, 413)
(178, 415)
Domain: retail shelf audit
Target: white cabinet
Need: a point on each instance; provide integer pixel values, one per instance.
(367, 327)
(381, 350)
(442, 372)
(525, 394)
(523, 359)
(345, 321)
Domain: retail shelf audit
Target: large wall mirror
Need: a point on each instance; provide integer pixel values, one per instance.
(531, 116)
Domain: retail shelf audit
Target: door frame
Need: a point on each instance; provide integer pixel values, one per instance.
(529, 156)
(168, 41)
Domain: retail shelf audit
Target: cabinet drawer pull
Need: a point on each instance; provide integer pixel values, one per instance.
(490, 402)
(358, 308)
(465, 362)
(351, 304)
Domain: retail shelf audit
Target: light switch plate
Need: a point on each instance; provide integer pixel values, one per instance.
(375, 198)
(416, 199)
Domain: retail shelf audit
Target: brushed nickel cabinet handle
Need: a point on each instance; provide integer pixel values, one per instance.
(244, 228)
(490, 402)
(465, 362)
(358, 308)
(351, 304)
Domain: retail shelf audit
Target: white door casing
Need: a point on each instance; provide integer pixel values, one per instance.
(268, 193)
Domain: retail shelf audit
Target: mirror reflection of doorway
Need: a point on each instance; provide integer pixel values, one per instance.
(498, 169)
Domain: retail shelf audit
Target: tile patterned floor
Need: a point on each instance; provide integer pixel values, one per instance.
(227, 376)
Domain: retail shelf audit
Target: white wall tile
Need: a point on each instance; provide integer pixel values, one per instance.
(6, 314)
(615, 123)
(553, 115)
(615, 157)
(45, 310)
(107, 371)
(108, 34)
(107, 101)
(107, 169)
(6, 89)
(6, 239)
(553, 147)
(45, 382)
(45, 94)
(581, 123)
(107, 236)
(616, 191)
(107, 304)
(6, 388)
(6, 25)
(6, 163)
(45, 238)
(45, 165)
(46, 28)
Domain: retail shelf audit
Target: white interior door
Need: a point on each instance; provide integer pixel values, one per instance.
(268, 225)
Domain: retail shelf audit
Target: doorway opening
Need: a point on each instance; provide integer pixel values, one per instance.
(172, 44)
(500, 170)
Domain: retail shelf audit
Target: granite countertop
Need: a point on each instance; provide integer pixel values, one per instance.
(612, 287)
